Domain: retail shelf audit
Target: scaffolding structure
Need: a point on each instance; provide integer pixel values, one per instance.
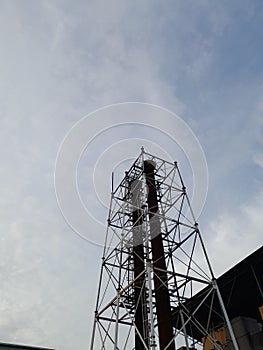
(154, 262)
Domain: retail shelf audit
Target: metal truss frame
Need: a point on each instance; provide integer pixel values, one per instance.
(124, 297)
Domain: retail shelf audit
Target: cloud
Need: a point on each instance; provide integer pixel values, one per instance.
(44, 270)
(233, 235)
(258, 159)
(61, 61)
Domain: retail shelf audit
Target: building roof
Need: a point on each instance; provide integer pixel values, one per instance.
(22, 347)
(241, 289)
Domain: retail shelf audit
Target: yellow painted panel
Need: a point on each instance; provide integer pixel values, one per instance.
(219, 335)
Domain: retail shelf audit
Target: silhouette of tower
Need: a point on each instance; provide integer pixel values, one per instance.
(156, 289)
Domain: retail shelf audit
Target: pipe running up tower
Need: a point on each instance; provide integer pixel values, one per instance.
(156, 289)
(163, 308)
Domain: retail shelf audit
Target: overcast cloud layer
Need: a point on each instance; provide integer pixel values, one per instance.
(62, 60)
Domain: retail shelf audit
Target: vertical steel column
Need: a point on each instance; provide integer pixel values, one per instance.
(163, 308)
(141, 320)
(230, 329)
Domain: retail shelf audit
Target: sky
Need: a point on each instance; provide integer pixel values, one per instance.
(60, 62)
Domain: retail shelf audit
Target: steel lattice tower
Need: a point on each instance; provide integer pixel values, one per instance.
(156, 286)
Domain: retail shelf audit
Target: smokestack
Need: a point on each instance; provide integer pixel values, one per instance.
(163, 308)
